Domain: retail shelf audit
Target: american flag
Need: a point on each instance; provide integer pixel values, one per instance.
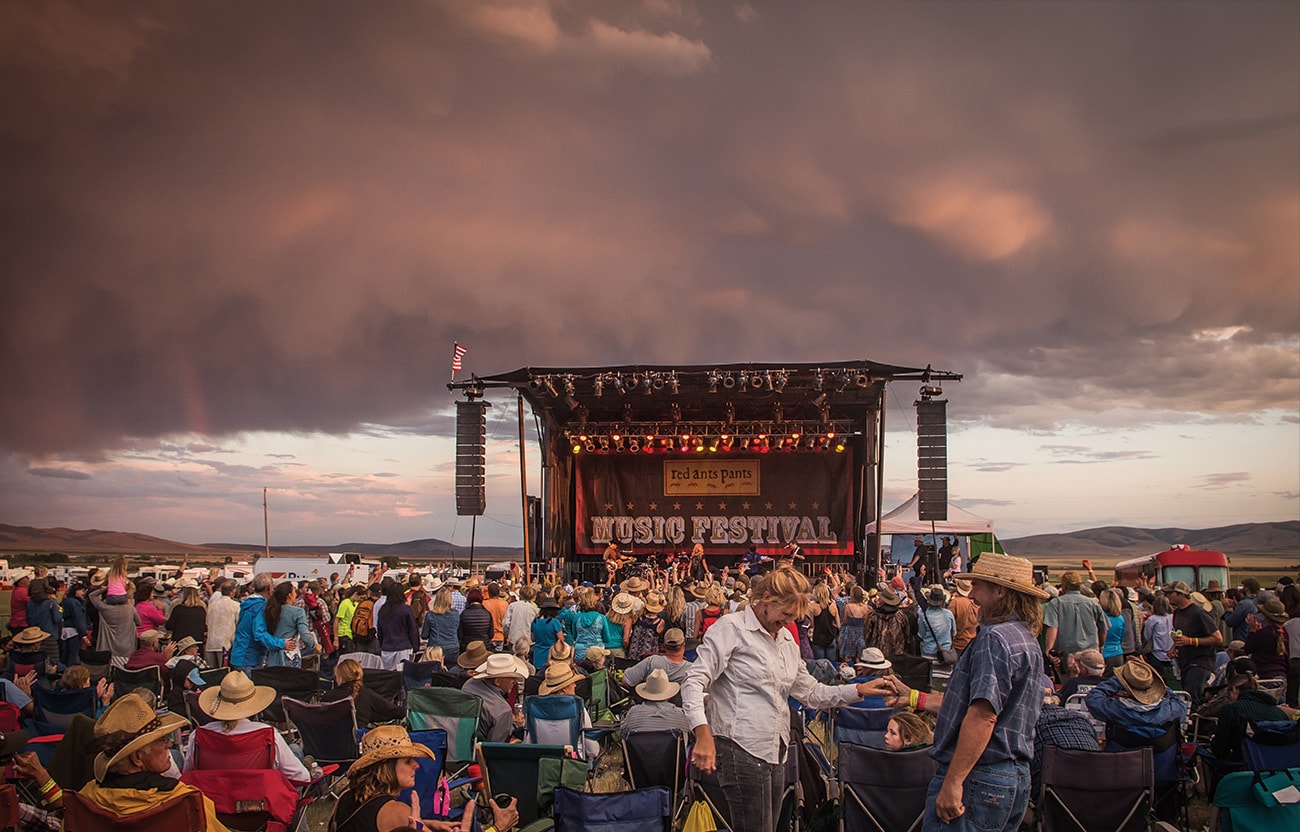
(457, 353)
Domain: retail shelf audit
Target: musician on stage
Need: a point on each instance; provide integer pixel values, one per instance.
(698, 568)
(614, 561)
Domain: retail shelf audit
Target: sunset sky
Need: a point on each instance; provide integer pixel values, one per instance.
(239, 240)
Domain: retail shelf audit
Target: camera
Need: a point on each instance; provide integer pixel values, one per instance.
(502, 800)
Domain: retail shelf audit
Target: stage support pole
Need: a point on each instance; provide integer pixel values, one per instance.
(523, 488)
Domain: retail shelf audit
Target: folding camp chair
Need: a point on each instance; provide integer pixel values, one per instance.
(1076, 702)
(125, 681)
(368, 661)
(419, 674)
(555, 720)
(1169, 770)
(257, 799)
(514, 768)
(1271, 746)
(915, 671)
(303, 685)
(1275, 688)
(642, 810)
(56, 708)
(193, 712)
(657, 758)
(451, 710)
(427, 774)
(183, 812)
(327, 731)
(1243, 803)
(216, 751)
(883, 791)
(705, 786)
(1087, 792)
(213, 675)
(861, 726)
(386, 683)
(9, 812)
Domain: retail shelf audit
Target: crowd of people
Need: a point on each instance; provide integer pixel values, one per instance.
(713, 655)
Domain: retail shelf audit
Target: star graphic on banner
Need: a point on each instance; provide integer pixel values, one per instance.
(654, 506)
(744, 506)
(722, 506)
(677, 506)
(631, 505)
(815, 506)
(609, 506)
(792, 505)
(699, 506)
(769, 505)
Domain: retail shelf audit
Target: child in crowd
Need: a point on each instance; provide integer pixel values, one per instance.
(907, 731)
(115, 592)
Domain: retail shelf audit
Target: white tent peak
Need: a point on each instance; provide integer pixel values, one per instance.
(905, 520)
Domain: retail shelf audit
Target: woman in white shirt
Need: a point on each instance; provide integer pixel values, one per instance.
(748, 664)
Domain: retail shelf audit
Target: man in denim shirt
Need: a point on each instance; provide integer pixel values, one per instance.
(984, 737)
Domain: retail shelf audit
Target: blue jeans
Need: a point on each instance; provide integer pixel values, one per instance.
(995, 797)
(752, 786)
(827, 653)
(1195, 678)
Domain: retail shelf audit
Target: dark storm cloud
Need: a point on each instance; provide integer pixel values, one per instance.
(247, 216)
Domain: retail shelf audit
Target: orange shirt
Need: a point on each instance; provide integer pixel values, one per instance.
(497, 606)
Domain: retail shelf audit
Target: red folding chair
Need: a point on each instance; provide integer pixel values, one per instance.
(251, 799)
(214, 750)
(184, 812)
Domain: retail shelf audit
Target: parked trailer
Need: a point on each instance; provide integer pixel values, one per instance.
(310, 568)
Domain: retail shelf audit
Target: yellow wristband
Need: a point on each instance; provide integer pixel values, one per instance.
(1196, 642)
(911, 699)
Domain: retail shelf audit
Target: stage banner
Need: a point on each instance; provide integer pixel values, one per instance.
(651, 503)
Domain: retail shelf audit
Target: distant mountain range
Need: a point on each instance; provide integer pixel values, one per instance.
(1245, 539)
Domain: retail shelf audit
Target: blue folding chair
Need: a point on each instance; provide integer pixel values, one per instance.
(56, 708)
(428, 773)
(554, 720)
(642, 810)
(862, 726)
(1271, 745)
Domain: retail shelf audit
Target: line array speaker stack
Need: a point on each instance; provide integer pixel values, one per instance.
(471, 462)
(932, 460)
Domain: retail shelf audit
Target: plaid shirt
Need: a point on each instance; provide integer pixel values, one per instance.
(31, 819)
(1062, 728)
(457, 600)
(1003, 665)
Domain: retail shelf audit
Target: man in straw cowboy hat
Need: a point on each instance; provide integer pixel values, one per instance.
(492, 681)
(656, 711)
(386, 767)
(232, 704)
(984, 737)
(132, 756)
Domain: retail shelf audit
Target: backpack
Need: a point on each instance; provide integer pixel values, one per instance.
(361, 619)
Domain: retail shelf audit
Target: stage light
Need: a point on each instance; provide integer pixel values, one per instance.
(819, 400)
(589, 446)
(633, 445)
(600, 386)
(604, 445)
(839, 447)
(577, 449)
(728, 381)
(726, 442)
(713, 381)
(618, 385)
(782, 378)
(863, 379)
(673, 386)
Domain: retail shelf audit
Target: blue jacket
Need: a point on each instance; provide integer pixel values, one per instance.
(74, 615)
(46, 615)
(252, 639)
(292, 624)
(1109, 703)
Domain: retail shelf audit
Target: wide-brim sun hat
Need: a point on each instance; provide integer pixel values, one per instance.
(938, 596)
(1141, 682)
(1016, 574)
(387, 742)
(657, 687)
(888, 597)
(873, 659)
(185, 644)
(623, 604)
(31, 635)
(431, 584)
(561, 651)
(235, 698)
(1274, 610)
(558, 675)
(474, 654)
(655, 604)
(635, 584)
(961, 587)
(1201, 601)
(500, 666)
(131, 715)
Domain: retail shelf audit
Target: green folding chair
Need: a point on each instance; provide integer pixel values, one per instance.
(451, 710)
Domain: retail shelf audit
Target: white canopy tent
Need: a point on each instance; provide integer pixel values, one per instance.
(905, 520)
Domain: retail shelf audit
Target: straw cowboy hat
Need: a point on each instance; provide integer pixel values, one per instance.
(1141, 681)
(131, 715)
(888, 597)
(475, 654)
(873, 659)
(623, 604)
(558, 675)
(561, 651)
(962, 588)
(1014, 573)
(1201, 601)
(235, 698)
(656, 687)
(501, 666)
(1274, 610)
(655, 603)
(635, 584)
(31, 635)
(1213, 587)
(387, 742)
(185, 644)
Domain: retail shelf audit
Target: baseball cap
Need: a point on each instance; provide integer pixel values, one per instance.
(1181, 587)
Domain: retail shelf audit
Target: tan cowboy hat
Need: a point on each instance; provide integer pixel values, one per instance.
(558, 675)
(561, 651)
(185, 644)
(962, 588)
(873, 659)
(1212, 587)
(1201, 601)
(1274, 610)
(656, 687)
(31, 635)
(131, 715)
(474, 654)
(500, 666)
(623, 604)
(151, 634)
(183, 583)
(387, 742)
(635, 584)
(98, 578)
(235, 698)
(1014, 573)
(888, 597)
(698, 591)
(655, 603)
(1140, 681)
